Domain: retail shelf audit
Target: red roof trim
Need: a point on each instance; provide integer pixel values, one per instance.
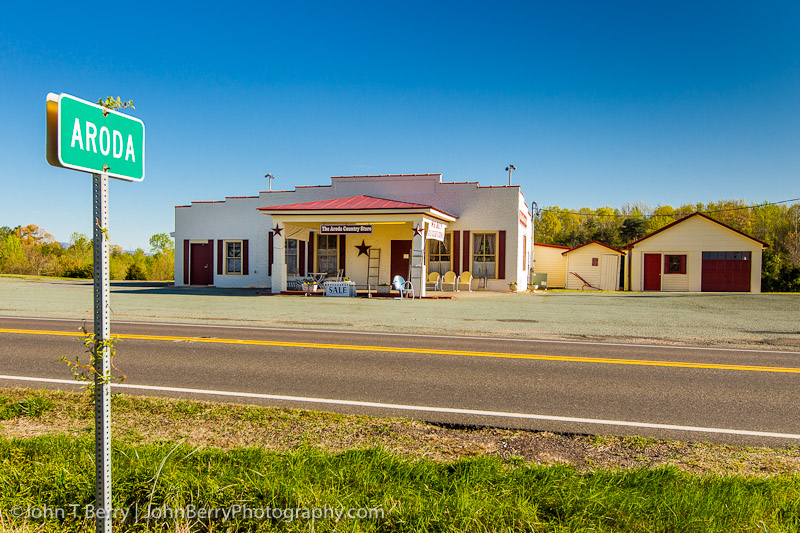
(594, 242)
(177, 206)
(239, 197)
(550, 245)
(209, 202)
(631, 245)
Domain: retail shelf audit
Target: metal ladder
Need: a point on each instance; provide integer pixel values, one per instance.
(374, 267)
(416, 265)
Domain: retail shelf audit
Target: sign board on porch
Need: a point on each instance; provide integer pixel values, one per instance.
(88, 137)
(345, 229)
(340, 288)
(436, 230)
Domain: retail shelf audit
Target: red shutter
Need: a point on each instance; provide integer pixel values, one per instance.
(455, 253)
(270, 253)
(311, 251)
(220, 257)
(301, 261)
(342, 251)
(466, 248)
(245, 260)
(186, 261)
(501, 252)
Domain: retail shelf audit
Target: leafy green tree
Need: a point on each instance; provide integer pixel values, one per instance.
(12, 255)
(160, 243)
(632, 229)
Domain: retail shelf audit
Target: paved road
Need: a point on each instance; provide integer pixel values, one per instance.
(670, 392)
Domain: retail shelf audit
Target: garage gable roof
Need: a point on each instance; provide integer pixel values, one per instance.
(594, 242)
(634, 243)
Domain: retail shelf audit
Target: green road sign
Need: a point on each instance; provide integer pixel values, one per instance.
(94, 139)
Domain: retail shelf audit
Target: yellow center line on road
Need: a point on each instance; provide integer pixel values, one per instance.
(430, 351)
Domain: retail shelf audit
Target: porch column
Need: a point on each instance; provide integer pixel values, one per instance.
(418, 268)
(278, 257)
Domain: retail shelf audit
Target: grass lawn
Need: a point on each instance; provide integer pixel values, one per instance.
(281, 466)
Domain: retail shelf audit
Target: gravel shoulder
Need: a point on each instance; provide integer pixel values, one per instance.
(755, 321)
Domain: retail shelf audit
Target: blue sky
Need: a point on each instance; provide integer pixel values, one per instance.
(595, 103)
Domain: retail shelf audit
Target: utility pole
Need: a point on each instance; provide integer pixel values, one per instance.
(270, 177)
(509, 169)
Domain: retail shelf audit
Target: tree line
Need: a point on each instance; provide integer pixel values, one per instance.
(778, 225)
(31, 250)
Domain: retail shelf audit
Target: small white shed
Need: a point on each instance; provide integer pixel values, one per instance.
(593, 266)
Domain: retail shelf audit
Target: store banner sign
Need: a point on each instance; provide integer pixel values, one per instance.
(436, 231)
(345, 229)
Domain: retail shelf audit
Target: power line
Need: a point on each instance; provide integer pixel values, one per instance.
(621, 215)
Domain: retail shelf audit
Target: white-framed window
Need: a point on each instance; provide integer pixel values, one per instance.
(440, 255)
(233, 258)
(291, 257)
(484, 255)
(328, 254)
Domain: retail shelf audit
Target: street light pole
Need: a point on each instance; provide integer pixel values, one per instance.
(509, 169)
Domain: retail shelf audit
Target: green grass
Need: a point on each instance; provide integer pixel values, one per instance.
(32, 407)
(478, 494)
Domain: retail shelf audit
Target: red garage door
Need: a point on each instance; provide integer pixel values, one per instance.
(726, 272)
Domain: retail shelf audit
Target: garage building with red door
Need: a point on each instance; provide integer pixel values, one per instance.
(695, 254)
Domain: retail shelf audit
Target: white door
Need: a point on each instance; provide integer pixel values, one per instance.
(609, 272)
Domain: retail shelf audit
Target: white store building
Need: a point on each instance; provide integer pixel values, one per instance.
(368, 228)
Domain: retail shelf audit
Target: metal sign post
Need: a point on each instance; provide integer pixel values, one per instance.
(102, 333)
(94, 138)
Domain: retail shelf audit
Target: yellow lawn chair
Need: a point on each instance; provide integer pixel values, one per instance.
(465, 279)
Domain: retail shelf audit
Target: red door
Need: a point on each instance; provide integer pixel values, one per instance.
(652, 272)
(726, 272)
(401, 259)
(202, 257)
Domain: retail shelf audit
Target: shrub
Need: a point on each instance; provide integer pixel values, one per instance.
(135, 273)
(83, 272)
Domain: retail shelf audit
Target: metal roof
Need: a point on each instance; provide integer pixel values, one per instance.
(354, 203)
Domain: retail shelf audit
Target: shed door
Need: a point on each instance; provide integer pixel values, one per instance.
(609, 272)
(652, 272)
(202, 257)
(726, 272)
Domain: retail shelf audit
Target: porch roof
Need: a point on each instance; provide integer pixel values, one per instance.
(358, 205)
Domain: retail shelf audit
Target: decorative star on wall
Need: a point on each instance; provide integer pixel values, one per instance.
(363, 249)
(418, 230)
(277, 229)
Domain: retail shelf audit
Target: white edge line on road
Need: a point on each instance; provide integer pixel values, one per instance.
(420, 408)
(388, 334)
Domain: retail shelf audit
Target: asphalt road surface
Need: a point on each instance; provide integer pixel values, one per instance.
(732, 396)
